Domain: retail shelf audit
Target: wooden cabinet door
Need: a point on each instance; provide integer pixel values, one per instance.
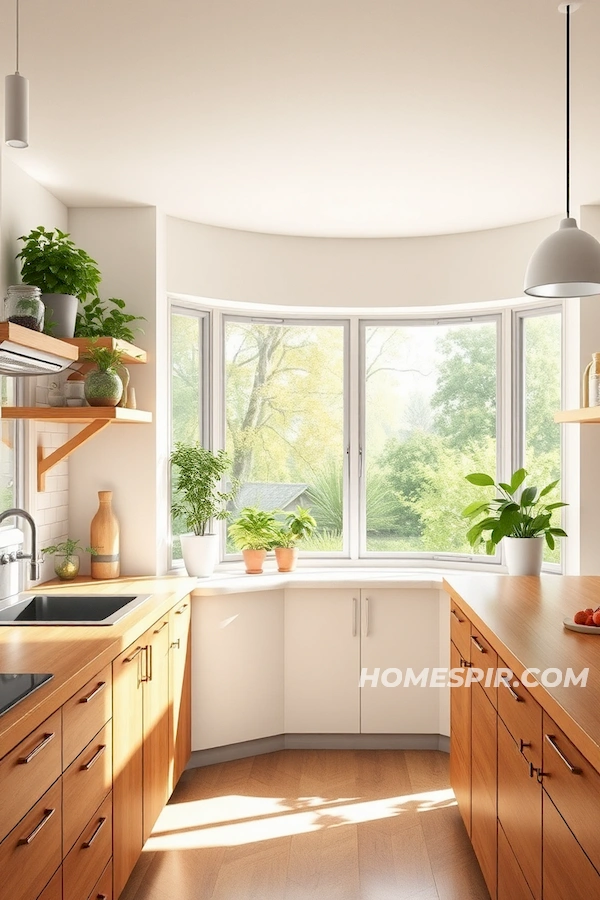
(322, 661)
(568, 873)
(511, 881)
(399, 631)
(460, 740)
(483, 784)
(156, 718)
(180, 690)
(520, 808)
(128, 733)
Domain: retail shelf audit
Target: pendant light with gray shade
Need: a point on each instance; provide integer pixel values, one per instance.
(16, 103)
(566, 264)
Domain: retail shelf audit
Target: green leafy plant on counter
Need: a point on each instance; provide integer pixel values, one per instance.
(68, 549)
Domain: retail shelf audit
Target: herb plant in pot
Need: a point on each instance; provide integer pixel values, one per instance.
(254, 532)
(64, 273)
(296, 526)
(102, 385)
(66, 558)
(198, 501)
(518, 516)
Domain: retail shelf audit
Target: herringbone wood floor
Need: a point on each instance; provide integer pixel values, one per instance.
(312, 825)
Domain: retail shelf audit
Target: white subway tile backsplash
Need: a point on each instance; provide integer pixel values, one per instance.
(62, 514)
(44, 534)
(62, 483)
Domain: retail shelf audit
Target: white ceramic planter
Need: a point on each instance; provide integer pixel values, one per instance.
(200, 554)
(524, 555)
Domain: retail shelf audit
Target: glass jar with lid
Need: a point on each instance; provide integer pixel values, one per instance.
(23, 306)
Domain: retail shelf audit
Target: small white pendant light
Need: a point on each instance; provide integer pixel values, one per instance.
(16, 103)
(566, 264)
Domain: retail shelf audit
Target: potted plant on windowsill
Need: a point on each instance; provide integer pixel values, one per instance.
(197, 500)
(297, 526)
(254, 532)
(518, 516)
(66, 558)
(64, 273)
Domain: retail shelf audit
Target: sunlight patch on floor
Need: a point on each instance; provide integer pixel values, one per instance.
(232, 821)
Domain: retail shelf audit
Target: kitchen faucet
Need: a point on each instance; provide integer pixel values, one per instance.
(34, 566)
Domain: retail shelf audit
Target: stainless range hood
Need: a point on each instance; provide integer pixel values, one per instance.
(27, 352)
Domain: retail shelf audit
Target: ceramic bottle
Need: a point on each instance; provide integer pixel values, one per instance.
(104, 537)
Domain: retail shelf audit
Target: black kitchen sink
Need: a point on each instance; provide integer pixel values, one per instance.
(68, 609)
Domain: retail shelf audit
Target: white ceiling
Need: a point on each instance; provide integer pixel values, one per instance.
(371, 118)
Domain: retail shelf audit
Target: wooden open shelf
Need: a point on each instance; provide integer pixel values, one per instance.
(588, 415)
(131, 353)
(93, 418)
(27, 337)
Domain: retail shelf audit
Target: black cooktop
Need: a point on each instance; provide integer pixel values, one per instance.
(16, 687)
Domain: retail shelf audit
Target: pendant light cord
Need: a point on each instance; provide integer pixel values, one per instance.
(17, 40)
(568, 84)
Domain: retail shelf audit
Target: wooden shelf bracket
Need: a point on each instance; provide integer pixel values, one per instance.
(47, 462)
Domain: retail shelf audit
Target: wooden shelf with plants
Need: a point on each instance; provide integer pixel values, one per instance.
(37, 340)
(589, 415)
(131, 353)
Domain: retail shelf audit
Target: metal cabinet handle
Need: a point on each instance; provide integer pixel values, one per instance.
(366, 617)
(149, 667)
(456, 616)
(101, 897)
(523, 743)
(23, 760)
(135, 653)
(95, 692)
(512, 693)
(176, 644)
(181, 610)
(88, 765)
(160, 628)
(87, 844)
(354, 605)
(574, 770)
(478, 644)
(465, 664)
(48, 813)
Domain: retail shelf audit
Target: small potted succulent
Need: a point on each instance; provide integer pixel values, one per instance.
(254, 532)
(66, 558)
(64, 273)
(103, 385)
(297, 525)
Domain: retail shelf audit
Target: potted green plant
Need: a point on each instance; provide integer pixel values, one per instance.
(66, 558)
(96, 319)
(297, 526)
(517, 515)
(254, 532)
(198, 501)
(103, 385)
(64, 273)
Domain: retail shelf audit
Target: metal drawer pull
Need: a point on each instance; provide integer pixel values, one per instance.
(87, 844)
(512, 693)
(479, 646)
(158, 630)
(101, 897)
(149, 666)
(464, 664)
(23, 760)
(354, 603)
(95, 692)
(367, 617)
(456, 616)
(88, 765)
(180, 611)
(574, 770)
(523, 743)
(135, 653)
(176, 644)
(48, 813)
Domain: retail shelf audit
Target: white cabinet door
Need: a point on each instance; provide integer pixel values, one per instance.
(322, 657)
(399, 630)
(237, 668)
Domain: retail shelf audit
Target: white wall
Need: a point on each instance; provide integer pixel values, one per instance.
(263, 268)
(129, 460)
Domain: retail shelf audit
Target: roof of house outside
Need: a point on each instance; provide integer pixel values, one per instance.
(268, 494)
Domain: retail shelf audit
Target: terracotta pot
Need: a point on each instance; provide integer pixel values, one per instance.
(286, 558)
(254, 560)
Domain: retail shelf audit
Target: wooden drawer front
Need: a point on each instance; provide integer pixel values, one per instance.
(522, 715)
(483, 784)
(53, 890)
(103, 889)
(86, 783)
(483, 656)
(23, 783)
(576, 794)
(85, 714)
(88, 858)
(33, 849)
(520, 809)
(460, 743)
(568, 873)
(460, 630)
(511, 881)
